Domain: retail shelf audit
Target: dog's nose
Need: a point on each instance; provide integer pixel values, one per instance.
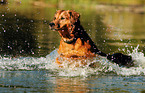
(51, 24)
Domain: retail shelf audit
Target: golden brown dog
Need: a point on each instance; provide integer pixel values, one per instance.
(75, 42)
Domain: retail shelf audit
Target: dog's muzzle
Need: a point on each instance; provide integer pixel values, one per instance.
(51, 24)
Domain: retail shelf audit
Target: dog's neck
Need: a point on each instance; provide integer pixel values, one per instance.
(79, 32)
(74, 34)
(69, 35)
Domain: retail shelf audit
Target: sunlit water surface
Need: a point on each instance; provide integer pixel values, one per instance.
(29, 49)
(42, 74)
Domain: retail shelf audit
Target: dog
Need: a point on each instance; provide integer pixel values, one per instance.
(75, 44)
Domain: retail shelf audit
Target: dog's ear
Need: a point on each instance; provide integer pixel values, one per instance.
(74, 15)
(59, 11)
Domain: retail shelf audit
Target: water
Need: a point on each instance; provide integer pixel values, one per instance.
(48, 63)
(30, 74)
(28, 50)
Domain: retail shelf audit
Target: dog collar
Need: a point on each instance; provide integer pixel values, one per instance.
(69, 41)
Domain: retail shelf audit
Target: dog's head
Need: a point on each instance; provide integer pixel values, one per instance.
(64, 22)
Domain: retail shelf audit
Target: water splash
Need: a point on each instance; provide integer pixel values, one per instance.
(48, 63)
(138, 57)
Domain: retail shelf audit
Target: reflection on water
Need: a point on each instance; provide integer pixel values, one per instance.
(15, 34)
(40, 81)
(127, 30)
(24, 31)
(2, 2)
(71, 85)
(24, 81)
(25, 35)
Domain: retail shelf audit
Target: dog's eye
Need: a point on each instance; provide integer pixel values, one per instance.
(62, 18)
(54, 18)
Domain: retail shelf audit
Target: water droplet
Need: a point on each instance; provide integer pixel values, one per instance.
(31, 20)
(126, 46)
(17, 19)
(32, 52)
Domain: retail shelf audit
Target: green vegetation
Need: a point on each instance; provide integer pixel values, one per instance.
(88, 2)
(122, 2)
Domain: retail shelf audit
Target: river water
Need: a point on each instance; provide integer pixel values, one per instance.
(28, 50)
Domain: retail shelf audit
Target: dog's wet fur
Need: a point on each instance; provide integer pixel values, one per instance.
(75, 42)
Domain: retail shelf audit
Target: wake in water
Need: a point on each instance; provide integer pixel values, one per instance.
(48, 63)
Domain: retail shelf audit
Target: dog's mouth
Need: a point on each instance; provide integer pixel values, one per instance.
(52, 26)
(69, 40)
(67, 37)
(53, 29)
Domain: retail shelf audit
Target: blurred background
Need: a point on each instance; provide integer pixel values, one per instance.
(114, 25)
